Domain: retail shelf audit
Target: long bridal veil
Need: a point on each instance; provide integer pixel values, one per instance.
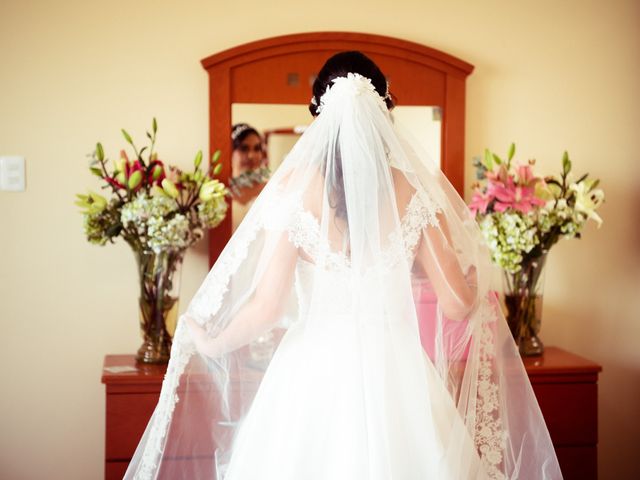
(361, 248)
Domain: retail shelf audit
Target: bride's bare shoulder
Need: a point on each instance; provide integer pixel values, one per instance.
(403, 189)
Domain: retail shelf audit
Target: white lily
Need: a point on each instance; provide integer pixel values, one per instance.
(588, 199)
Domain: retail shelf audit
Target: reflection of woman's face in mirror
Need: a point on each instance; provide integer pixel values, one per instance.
(248, 155)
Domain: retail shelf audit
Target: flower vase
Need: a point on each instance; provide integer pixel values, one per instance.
(523, 300)
(159, 274)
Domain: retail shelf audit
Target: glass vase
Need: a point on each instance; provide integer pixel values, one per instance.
(523, 293)
(159, 275)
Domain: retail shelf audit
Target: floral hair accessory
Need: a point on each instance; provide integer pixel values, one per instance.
(350, 86)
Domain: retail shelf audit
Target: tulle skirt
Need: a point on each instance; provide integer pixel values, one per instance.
(322, 413)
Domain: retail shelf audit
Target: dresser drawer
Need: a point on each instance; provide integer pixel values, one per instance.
(570, 411)
(115, 470)
(127, 417)
(578, 463)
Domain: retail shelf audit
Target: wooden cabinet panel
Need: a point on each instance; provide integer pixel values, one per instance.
(127, 417)
(565, 408)
(578, 463)
(115, 470)
(565, 386)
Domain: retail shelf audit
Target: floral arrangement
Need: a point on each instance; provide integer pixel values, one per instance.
(522, 215)
(152, 206)
(159, 211)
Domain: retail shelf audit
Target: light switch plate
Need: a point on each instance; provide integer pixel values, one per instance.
(12, 173)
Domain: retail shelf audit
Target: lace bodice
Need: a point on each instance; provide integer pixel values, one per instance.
(304, 233)
(326, 274)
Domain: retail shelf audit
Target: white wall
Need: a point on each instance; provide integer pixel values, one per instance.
(549, 75)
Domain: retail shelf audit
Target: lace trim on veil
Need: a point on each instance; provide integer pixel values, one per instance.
(210, 296)
(180, 355)
(489, 436)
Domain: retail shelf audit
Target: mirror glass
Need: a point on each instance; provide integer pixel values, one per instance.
(281, 124)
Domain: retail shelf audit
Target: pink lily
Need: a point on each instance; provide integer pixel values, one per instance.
(517, 197)
(480, 202)
(526, 177)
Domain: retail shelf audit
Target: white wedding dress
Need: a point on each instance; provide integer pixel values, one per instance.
(312, 419)
(386, 368)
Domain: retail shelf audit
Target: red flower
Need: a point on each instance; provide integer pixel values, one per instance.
(114, 182)
(121, 177)
(153, 167)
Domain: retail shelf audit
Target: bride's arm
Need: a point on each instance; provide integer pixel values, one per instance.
(456, 291)
(260, 312)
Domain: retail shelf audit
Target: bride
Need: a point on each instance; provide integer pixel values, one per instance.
(354, 230)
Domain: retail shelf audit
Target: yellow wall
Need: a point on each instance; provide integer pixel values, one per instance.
(549, 75)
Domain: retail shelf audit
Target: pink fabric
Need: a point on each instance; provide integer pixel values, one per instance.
(426, 309)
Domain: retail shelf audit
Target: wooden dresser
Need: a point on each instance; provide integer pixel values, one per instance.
(565, 384)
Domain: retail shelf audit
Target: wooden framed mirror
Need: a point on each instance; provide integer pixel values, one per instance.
(280, 71)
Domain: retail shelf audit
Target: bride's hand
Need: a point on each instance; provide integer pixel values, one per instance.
(204, 344)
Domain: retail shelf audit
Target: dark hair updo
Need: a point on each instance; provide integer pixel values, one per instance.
(239, 132)
(339, 66)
